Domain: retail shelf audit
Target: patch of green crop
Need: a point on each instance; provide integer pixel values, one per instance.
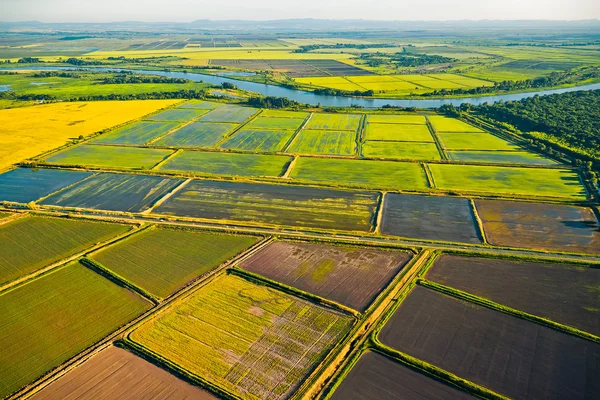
(110, 156)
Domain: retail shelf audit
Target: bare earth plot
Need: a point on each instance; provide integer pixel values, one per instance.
(22, 185)
(114, 192)
(251, 340)
(115, 373)
(273, 204)
(429, 217)
(561, 292)
(350, 276)
(509, 355)
(542, 226)
(376, 377)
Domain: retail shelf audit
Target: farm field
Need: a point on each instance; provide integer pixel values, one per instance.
(178, 114)
(22, 185)
(283, 114)
(410, 119)
(115, 373)
(543, 226)
(401, 150)
(261, 346)
(228, 163)
(229, 113)
(350, 276)
(29, 131)
(474, 141)
(30, 243)
(138, 133)
(398, 132)
(429, 217)
(161, 261)
(375, 174)
(273, 204)
(114, 192)
(376, 377)
(200, 105)
(561, 292)
(276, 123)
(518, 181)
(197, 134)
(326, 142)
(52, 318)
(499, 157)
(264, 140)
(335, 122)
(504, 353)
(110, 156)
(446, 124)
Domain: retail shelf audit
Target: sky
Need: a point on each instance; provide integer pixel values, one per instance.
(189, 10)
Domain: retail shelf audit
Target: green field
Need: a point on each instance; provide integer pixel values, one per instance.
(324, 142)
(50, 319)
(229, 113)
(138, 133)
(336, 122)
(283, 114)
(370, 174)
(162, 260)
(258, 140)
(276, 123)
(251, 340)
(552, 183)
(473, 141)
(445, 124)
(499, 157)
(200, 105)
(400, 132)
(197, 134)
(236, 164)
(110, 157)
(397, 119)
(30, 243)
(178, 114)
(401, 150)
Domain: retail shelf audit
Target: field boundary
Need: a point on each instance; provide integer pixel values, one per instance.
(378, 215)
(217, 145)
(165, 160)
(166, 197)
(438, 142)
(292, 139)
(478, 222)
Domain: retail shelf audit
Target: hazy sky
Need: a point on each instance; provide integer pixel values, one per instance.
(189, 10)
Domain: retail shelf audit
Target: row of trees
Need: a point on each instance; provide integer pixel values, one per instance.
(311, 47)
(404, 59)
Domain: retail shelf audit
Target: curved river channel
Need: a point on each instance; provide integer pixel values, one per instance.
(330, 101)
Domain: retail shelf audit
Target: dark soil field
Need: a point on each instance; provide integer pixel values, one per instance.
(351, 276)
(564, 293)
(540, 226)
(273, 204)
(376, 377)
(23, 185)
(509, 355)
(115, 373)
(296, 68)
(115, 192)
(429, 217)
(337, 68)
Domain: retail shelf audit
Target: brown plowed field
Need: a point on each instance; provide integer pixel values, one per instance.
(376, 377)
(117, 374)
(540, 226)
(509, 355)
(564, 293)
(353, 277)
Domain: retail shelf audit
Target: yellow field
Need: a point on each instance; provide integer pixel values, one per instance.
(332, 82)
(29, 131)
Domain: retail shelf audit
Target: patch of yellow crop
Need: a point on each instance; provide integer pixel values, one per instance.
(29, 131)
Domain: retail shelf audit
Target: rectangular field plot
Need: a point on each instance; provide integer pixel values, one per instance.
(110, 156)
(376, 377)
(400, 132)
(197, 134)
(50, 319)
(178, 114)
(373, 174)
(200, 104)
(540, 226)
(517, 181)
(474, 141)
(445, 124)
(561, 292)
(217, 163)
(23, 185)
(499, 157)
(115, 373)
(161, 261)
(258, 140)
(351, 276)
(333, 82)
(324, 142)
(115, 192)
(284, 114)
(510, 355)
(138, 133)
(401, 150)
(396, 119)
(253, 341)
(336, 122)
(276, 123)
(429, 217)
(30, 243)
(273, 204)
(229, 113)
